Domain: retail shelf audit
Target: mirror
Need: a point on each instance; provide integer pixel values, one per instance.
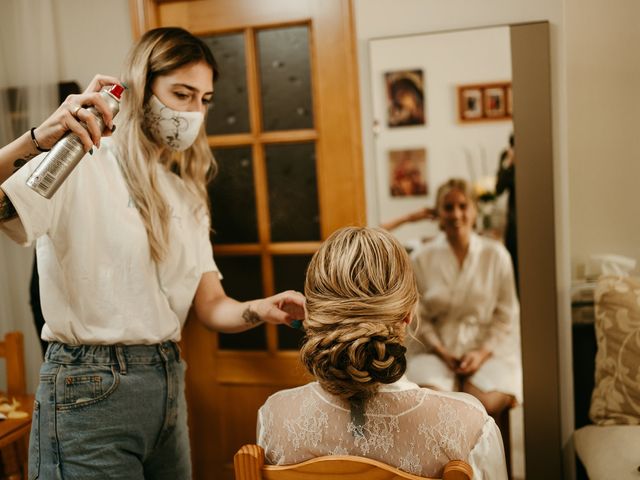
(476, 87)
(451, 141)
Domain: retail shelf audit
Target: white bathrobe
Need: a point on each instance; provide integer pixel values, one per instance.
(464, 308)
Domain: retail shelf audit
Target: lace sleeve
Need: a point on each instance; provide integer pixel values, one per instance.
(487, 456)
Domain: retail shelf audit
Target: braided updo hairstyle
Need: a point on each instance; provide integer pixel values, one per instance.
(359, 289)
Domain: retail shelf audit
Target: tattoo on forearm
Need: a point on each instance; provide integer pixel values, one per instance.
(7, 210)
(21, 162)
(250, 317)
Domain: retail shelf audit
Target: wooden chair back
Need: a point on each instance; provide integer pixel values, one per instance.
(12, 350)
(249, 465)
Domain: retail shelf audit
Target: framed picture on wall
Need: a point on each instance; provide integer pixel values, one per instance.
(470, 101)
(486, 101)
(405, 98)
(408, 172)
(495, 102)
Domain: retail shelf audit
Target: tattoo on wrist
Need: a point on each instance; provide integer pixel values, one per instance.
(21, 162)
(250, 317)
(7, 210)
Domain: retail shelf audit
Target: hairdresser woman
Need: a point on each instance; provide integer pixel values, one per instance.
(469, 315)
(123, 252)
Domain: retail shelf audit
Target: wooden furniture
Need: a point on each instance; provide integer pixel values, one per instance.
(249, 465)
(14, 433)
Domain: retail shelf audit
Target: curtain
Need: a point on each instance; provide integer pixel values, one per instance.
(28, 94)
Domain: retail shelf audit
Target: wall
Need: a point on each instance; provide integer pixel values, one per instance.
(604, 144)
(98, 45)
(468, 150)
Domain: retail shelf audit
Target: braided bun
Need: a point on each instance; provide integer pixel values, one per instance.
(359, 289)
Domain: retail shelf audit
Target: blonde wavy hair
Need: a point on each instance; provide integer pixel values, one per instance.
(159, 52)
(360, 288)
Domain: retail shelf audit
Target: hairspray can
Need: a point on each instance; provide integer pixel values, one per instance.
(69, 150)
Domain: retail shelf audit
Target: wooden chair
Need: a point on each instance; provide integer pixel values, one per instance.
(249, 464)
(14, 434)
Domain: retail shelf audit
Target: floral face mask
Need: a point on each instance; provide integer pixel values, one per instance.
(177, 130)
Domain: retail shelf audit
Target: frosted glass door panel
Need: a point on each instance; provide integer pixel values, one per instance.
(233, 200)
(229, 111)
(293, 192)
(285, 78)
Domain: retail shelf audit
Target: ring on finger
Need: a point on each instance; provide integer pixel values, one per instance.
(75, 112)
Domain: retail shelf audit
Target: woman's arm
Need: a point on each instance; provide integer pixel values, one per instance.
(422, 214)
(16, 154)
(221, 313)
(66, 118)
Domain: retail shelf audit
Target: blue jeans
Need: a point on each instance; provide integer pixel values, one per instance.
(110, 412)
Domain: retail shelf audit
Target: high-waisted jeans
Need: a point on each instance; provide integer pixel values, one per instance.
(110, 412)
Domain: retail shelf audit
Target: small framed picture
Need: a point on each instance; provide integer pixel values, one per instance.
(408, 172)
(485, 101)
(405, 98)
(495, 102)
(470, 101)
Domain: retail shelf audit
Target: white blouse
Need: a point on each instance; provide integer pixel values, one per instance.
(98, 283)
(414, 429)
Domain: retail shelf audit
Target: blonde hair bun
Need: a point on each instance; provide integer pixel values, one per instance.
(359, 288)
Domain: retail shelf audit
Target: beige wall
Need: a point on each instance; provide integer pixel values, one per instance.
(603, 129)
(93, 37)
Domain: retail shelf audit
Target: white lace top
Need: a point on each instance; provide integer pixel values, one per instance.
(415, 429)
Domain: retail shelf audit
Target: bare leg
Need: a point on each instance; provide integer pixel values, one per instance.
(494, 402)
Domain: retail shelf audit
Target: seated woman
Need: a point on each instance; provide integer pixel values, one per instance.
(469, 333)
(361, 295)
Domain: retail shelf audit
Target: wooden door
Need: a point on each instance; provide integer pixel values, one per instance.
(285, 131)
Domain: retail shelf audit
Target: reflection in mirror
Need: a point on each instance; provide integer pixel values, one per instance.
(462, 81)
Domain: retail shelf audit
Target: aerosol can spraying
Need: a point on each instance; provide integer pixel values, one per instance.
(69, 150)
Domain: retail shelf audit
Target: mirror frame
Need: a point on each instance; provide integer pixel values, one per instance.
(531, 79)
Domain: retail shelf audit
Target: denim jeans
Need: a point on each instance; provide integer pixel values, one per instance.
(110, 412)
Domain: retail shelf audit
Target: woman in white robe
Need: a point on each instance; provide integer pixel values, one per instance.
(469, 336)
(361, 295)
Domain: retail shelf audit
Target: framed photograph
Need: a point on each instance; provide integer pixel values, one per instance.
(495, 102)
(486, 101)
(408, 172)
(470, 101)
(405, 98)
